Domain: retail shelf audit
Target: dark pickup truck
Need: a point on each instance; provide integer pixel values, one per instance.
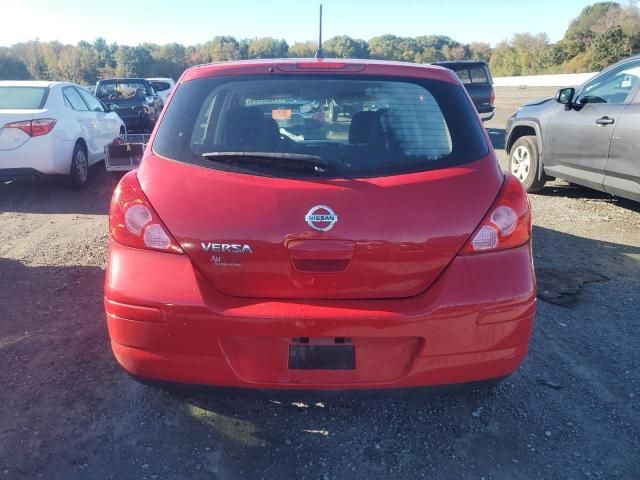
(133, 99)
(476, 78)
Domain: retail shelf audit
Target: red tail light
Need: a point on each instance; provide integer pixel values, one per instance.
(134, 223)
(320, 65)
(492, 100)
(34, 128)
(508, 223)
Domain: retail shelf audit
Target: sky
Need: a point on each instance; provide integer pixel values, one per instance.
(189, 22)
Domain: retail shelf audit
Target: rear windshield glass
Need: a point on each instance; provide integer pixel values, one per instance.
(22, 98)
(320, 126)
(123, 90)
(470, 75)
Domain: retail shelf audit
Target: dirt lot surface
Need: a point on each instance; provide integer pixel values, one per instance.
(67, 411)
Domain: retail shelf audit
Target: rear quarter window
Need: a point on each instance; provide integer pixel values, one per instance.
(160, 86)
(464, 76)
(360, 126)
(478, 75)
(73, 98)
(472, 74)
(22, 98)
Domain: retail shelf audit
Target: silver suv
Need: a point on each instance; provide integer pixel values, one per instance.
(587, 135)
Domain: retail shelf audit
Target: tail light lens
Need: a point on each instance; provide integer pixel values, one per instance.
(134, 223)
(492, 100)
(320, 65)
(508, 223)
(34, 128)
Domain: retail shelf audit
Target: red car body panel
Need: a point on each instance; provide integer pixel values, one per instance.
(314, 66)
(389, 276)
(474, 323)
(388, 259)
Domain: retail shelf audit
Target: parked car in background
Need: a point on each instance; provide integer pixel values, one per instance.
(133, 99)
(52, 128)
(587, 135)
(477, 79)
(386, 249)
(162, 86)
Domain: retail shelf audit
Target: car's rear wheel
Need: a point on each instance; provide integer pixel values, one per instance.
(524, 163)
(79, 167)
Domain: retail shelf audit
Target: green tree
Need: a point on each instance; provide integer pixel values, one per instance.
(593, 20)
(89, 63)
(51, 53)
(303, 50)
(428, 55)
(132, 61)
(504, 60)
(531, 52)
(456, 52)
(169, 60)
(391, 47)
(196, 55)
(12, 68)
(434, 48)
(609, 47)
(345, 47)
(68, 65)
(266, 48)
(479, 51)
(221, 49)
(385, 47)
(32, 56)
(105, 52)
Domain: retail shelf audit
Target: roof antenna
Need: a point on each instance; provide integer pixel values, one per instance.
(320, 52)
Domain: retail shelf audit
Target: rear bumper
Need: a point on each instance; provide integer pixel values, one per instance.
(48, 154)
(473, 324)
(486, 116)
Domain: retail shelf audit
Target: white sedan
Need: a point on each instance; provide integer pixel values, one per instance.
(52, 128)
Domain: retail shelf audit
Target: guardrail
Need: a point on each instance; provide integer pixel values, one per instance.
(561, 80)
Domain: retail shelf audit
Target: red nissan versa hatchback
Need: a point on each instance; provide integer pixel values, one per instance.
(319, 224)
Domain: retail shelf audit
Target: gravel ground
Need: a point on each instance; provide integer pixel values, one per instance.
(67, 411)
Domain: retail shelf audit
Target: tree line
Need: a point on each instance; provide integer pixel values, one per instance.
(601, 34)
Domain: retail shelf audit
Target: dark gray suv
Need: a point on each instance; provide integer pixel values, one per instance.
(589, 135)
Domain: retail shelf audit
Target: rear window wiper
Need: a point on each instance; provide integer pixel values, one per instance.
(290, 161)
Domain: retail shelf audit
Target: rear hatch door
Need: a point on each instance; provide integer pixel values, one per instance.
(250, 236)
(372, 186)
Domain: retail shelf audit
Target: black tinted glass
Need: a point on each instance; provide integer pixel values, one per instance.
(160, 86)
(359, 126)
(122, 90)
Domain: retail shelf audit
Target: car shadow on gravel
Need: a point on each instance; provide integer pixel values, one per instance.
(565, 263)
(56, 368)
(53, 194)
(560, 188)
